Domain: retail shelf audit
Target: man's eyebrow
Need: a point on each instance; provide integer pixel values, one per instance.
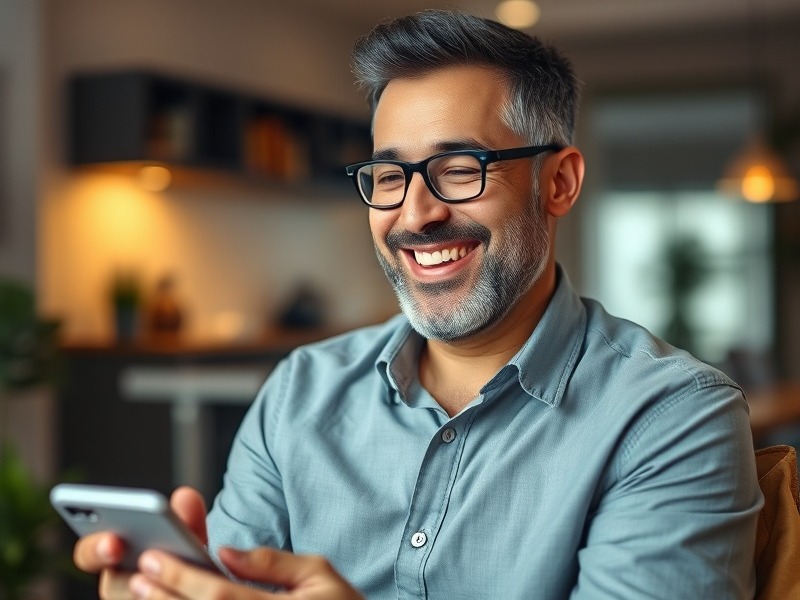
(388, 154)
(465, 144)
(445, 146)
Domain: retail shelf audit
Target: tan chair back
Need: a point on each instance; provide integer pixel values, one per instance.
(777, 554)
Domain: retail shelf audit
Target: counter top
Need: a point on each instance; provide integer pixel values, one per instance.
(275, 341)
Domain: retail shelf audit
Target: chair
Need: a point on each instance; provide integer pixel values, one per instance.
(777, 554)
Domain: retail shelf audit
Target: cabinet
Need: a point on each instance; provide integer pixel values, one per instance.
(140, 116)
(103, 437)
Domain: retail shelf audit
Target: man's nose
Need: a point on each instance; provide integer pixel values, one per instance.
(421, 208)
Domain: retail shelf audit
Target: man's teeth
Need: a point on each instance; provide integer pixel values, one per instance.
(429, 259)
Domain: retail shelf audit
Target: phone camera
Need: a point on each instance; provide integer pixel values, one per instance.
(82, 514)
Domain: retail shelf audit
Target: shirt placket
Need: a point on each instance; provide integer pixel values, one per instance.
(435, 481)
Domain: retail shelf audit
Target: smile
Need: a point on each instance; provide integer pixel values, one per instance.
(431, 259)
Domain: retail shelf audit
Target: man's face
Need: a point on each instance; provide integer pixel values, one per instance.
(457, 269)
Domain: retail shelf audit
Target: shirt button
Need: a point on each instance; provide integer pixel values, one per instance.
(448, 435)
(419, 539)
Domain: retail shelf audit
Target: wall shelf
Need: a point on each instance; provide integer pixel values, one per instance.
(137, 116)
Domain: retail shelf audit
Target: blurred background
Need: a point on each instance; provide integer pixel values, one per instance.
(172, 193)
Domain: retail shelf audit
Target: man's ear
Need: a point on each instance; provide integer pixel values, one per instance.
(564, 181)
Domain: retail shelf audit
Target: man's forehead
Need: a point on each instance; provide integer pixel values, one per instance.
(434, 147)
(440, 107)
(495, 80)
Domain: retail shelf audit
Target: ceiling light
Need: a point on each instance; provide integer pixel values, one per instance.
(519, 14)
(758, 174)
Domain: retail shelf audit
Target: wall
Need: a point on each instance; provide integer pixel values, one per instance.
(233, 249)
(20, 74)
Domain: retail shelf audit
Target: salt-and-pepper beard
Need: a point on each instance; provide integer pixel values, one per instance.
(509, 270)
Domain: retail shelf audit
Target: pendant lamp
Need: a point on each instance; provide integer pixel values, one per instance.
(757, 173)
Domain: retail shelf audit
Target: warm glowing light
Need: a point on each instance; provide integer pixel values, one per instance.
(98, 223)
(111, 213)
(758, 185)
(519, 14)
(154, 178)
(228, 325)
(758, 174)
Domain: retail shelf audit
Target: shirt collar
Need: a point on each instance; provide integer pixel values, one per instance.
(543, 365)
(546, 361)
(398, 361)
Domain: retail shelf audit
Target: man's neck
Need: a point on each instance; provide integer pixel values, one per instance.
(454, 372)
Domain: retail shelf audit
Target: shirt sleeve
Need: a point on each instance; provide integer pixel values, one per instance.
(250, 511)
(676, 517)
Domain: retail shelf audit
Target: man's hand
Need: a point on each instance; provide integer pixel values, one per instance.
(164, 577)
(102, 552)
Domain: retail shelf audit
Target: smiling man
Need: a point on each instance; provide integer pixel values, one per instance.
(502, 437)
(458, 269)
(466, 244)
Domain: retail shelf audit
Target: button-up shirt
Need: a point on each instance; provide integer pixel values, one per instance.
(599, 462)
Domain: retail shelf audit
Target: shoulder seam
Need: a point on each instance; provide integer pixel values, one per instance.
(616, 348)
(702, 377)
(655, 412)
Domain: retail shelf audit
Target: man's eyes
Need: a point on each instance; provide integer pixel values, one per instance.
(386, 178)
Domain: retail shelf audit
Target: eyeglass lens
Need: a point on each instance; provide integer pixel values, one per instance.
(453, 176)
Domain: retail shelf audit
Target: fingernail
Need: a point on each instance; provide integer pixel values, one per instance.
(149, 564)
(104, 549)
(140, 587)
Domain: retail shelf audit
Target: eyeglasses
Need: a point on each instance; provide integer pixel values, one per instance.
(452, 177)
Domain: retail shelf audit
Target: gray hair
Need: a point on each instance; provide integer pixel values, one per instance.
(543, 89)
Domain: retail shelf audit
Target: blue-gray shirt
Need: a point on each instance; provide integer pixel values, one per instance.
(599, 462)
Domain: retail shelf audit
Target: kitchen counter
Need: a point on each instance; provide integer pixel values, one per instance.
(189, 391)
(160, 412)
(274, 341)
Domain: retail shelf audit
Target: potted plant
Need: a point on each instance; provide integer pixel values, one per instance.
(126, 298)
(27, 359)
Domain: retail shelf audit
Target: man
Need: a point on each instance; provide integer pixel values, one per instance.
(503, 438)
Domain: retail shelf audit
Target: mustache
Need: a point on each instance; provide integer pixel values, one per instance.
(440, 234)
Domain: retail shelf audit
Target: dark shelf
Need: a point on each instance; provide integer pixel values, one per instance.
(140, 116)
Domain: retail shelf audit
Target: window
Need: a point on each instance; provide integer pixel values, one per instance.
(665, 249)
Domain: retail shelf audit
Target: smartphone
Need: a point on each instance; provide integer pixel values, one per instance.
(142, 518)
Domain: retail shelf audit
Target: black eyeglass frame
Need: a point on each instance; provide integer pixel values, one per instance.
(485, 157)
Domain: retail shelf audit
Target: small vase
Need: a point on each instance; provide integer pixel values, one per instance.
(126, 323)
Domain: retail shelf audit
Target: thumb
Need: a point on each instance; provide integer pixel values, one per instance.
(190, 507)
